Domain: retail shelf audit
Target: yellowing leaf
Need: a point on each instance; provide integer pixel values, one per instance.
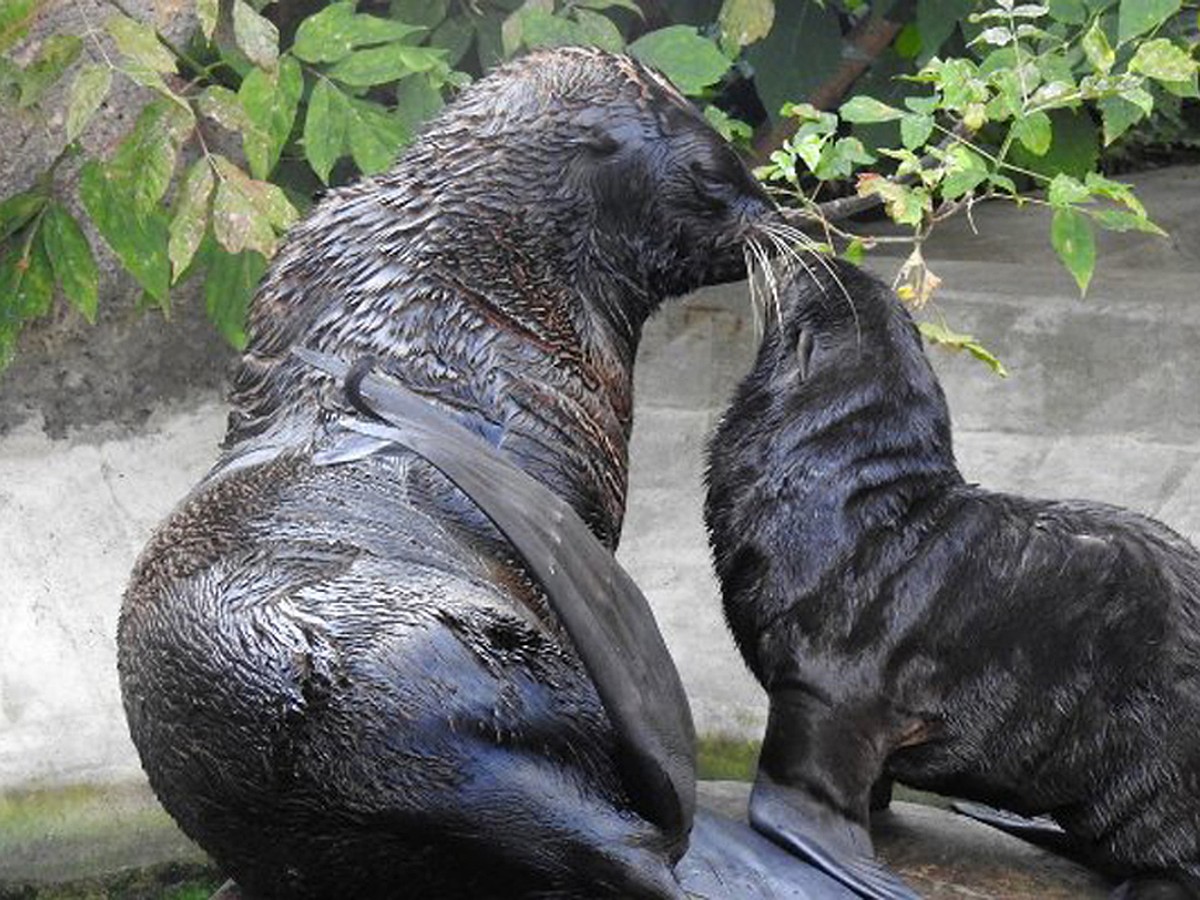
(190, 219)
(88, 91)
(742, 22)
(270, 99)
(256, 35)
(140, 44)
(246, 212)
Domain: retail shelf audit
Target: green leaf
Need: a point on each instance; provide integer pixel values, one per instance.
(1123, 220)
(867, 109)
(1136, 17)
(1118, 115)
(331, 34)
(965, 171)
(690, 61)
(208, 11)
(742, 22)
(416, 101)
(325, 128)
(937, 20)
(1116, 191)
(223, 106)
(247, 212)
(1066, 191)
(541, 28)
(1097, 49)
(1034, 131)
(855, 252)
(88, 91)
(797, 56)
(228, 287)
(270, 100)
(599, 31)
(454, 36)
(58, 52)
(840, 158)
(1073, 240)
(139, 43)
(1074, 149)
(145, 159)
(1163, 61)
(190, 219)
(375, 137)
(733, 130)
(907, 44)
(379, 65)
(630, 5)
(71, 258)
(937, 333)
(426, 13)
(256, 35)
(139, 238)
(915, 129)
(15, 18)
(26, 284)
(18, 211)
(1069, 12)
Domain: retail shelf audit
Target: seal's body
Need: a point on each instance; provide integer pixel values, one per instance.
(341, 679)
(1040, 656)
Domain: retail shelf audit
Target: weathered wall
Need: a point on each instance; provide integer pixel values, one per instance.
(1102, 403)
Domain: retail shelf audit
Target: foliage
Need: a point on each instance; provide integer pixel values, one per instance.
(1025, 108)
(269, 103)
(336, 96)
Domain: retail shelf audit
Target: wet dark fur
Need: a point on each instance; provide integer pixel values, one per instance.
(341, 680)
(1038, 655)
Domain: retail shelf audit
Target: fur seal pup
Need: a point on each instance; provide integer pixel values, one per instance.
(1036, 655)
(341, 678)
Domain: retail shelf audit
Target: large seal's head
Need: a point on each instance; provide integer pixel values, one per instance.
(564, 197)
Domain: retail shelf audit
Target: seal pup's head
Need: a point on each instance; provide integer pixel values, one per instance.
(563, 197)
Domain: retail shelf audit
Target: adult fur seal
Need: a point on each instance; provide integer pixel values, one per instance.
(342, 679)
(1036, 655)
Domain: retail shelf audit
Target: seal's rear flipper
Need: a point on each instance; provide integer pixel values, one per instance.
(1040, 831)
(604, 612)
(728, 860)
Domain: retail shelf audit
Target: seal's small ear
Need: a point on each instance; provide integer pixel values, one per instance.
(600, 141)
(804, 351)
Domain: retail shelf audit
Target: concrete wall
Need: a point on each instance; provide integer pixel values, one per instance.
(1102, 403)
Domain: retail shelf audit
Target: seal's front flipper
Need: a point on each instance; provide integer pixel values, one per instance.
(1040, 831)
(729, 861)
(823, 837)
(816, 772)
(604, 612)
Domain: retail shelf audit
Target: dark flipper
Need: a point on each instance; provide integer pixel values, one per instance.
(728, 860)
(881, 794)
(601, 608)
(1042, 831)
(812, 770)
(1175, 885)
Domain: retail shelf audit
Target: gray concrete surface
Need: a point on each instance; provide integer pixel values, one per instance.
(1102, 403)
